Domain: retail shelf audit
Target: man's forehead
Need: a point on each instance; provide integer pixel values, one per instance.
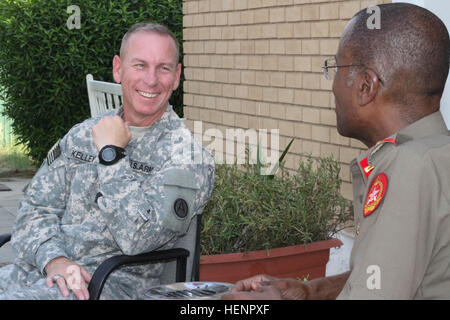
(140, 39)
(135, 57)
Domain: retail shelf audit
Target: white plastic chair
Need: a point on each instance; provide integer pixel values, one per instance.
(103, 96)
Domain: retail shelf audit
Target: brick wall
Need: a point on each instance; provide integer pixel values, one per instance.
(256, 64)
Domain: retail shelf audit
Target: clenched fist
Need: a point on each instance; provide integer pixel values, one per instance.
(111, 131)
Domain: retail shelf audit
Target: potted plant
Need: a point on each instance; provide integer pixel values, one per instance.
(279, 225)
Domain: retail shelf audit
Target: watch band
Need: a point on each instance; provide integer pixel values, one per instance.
(110, 154)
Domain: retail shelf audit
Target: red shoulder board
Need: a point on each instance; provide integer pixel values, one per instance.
(376, 193)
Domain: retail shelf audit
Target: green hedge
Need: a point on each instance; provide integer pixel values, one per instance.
(43, 64)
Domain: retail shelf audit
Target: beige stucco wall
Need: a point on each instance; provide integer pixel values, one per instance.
(256, 64)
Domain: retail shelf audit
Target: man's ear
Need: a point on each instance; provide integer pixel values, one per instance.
(177, 79)
(116, 68)
(368, 87)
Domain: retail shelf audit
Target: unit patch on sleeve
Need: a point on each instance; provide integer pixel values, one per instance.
(54, 153)
(181, 208)
(376, 193)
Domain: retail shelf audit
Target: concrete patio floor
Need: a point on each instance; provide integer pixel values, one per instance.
(9, 202)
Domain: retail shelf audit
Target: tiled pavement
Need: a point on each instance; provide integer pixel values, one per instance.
(9, 202)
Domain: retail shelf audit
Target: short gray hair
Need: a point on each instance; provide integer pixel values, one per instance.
(410, 51)
(151, 28)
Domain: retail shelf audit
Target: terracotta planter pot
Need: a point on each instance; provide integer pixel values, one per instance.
(288, 262)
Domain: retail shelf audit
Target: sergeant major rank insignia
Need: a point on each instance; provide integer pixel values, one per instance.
(54, 153)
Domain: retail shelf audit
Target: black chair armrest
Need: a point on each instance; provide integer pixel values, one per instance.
(109, 265)
(4, 238)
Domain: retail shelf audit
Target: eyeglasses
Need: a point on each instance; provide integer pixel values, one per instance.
(331, 63)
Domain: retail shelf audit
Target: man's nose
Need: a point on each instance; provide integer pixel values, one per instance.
(151, 77)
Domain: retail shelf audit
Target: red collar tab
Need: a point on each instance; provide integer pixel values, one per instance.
(380, 144)
(367, 168)
(390, 140)
(365, 165)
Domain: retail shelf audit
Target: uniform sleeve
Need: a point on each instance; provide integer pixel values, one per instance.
(36, 233)
(145, 215)
(401, 239)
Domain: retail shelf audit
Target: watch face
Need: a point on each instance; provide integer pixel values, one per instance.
(109, 154)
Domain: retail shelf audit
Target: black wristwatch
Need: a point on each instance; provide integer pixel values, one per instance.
(110, 154)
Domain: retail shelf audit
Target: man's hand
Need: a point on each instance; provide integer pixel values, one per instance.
(72, 276)
(267, 287)
(111, 131)
(251, 284)
(262, 292)
(251, 289)
(264, 287)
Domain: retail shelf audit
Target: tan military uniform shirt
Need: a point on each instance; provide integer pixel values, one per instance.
(402, 247)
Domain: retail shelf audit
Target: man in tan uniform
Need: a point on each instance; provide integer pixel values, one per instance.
(388, 84)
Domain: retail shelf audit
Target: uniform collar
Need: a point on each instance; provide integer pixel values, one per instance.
(163, 119)
(157, 128)
(366, 161)
(432, 124)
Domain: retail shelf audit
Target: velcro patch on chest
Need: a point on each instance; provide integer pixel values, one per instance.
(376, 194)
(83, 156)
(140, 166)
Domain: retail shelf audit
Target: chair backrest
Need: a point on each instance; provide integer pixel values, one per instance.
(103, 96)
(191, 242)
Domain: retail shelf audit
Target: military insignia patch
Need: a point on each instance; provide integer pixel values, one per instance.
(54, 153)
(82, 156)
(376, 193)
(181, 208)
(139, 166)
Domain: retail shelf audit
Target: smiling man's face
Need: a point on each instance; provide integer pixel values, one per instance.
(149, 72)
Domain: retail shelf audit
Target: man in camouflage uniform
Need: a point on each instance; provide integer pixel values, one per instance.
(110, 186)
